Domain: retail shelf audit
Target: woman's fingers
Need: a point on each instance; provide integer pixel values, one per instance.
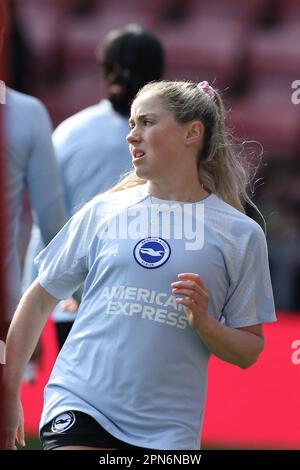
(193, 294)
(189, 287)
(21, 435)
(70, 305)
(192, 277)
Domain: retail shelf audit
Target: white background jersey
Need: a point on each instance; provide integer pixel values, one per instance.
(131, 360)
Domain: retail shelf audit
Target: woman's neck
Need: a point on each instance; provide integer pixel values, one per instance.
(180, 192)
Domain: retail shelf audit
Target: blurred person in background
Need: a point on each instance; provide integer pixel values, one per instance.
(133, 371)
(31, 166)
(90, 146)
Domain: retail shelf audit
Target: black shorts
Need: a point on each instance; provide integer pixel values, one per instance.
(63, 329)
(73, 428)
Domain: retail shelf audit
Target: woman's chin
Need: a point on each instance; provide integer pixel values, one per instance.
(141, 173)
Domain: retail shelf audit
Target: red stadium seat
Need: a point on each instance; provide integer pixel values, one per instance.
(274, 54)
(72, 95)
(63, 5)
(152, 9)
(210, 49)
(288, 11)
(39, 22)
(274, 121)
(246, 11)
(82, 36)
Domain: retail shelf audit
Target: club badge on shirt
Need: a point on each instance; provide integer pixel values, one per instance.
(152, 252)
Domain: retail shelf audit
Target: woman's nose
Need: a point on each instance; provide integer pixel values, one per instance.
(133, 136)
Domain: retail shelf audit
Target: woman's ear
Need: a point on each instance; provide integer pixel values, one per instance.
(194, 133)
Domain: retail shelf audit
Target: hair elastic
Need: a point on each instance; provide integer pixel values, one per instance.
(206, 88)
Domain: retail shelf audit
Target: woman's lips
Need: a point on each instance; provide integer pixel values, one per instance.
(137, 154)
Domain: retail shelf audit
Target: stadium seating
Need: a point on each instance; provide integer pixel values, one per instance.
(271, 119)
(81, 36)
(288, 11)
(63, 5)
(204, 48)
(153, 9)
(73, 94)
(274, 53)
(41, 27)
(222, 42)
(246, 11)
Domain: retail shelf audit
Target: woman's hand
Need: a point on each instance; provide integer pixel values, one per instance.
(14, 424)
(239, 346)
(194, 296)
(70, 305)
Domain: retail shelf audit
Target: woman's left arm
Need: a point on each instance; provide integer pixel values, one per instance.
(239, 346)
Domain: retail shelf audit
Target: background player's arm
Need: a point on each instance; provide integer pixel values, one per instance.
(43, 180)
(31, 315)
(238, 346)
(45, 190)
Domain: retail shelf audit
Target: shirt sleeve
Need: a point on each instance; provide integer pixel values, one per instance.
(42, 177)
(250, 296)
(62, 265)
(64, 149)
(35, 246)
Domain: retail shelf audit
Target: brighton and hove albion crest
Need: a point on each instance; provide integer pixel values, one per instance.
(63, 422)
(152, 252)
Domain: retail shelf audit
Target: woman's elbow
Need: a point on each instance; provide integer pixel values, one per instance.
(248, 363)
(253, 356)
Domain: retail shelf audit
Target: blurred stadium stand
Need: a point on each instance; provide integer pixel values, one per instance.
(231, 43)
(209, 48)
(249, 11)
(288, 11)
(248, 49)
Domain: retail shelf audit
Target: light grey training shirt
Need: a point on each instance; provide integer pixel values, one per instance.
(131, 360)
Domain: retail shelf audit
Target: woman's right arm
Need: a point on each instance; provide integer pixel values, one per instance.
(31, 315)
